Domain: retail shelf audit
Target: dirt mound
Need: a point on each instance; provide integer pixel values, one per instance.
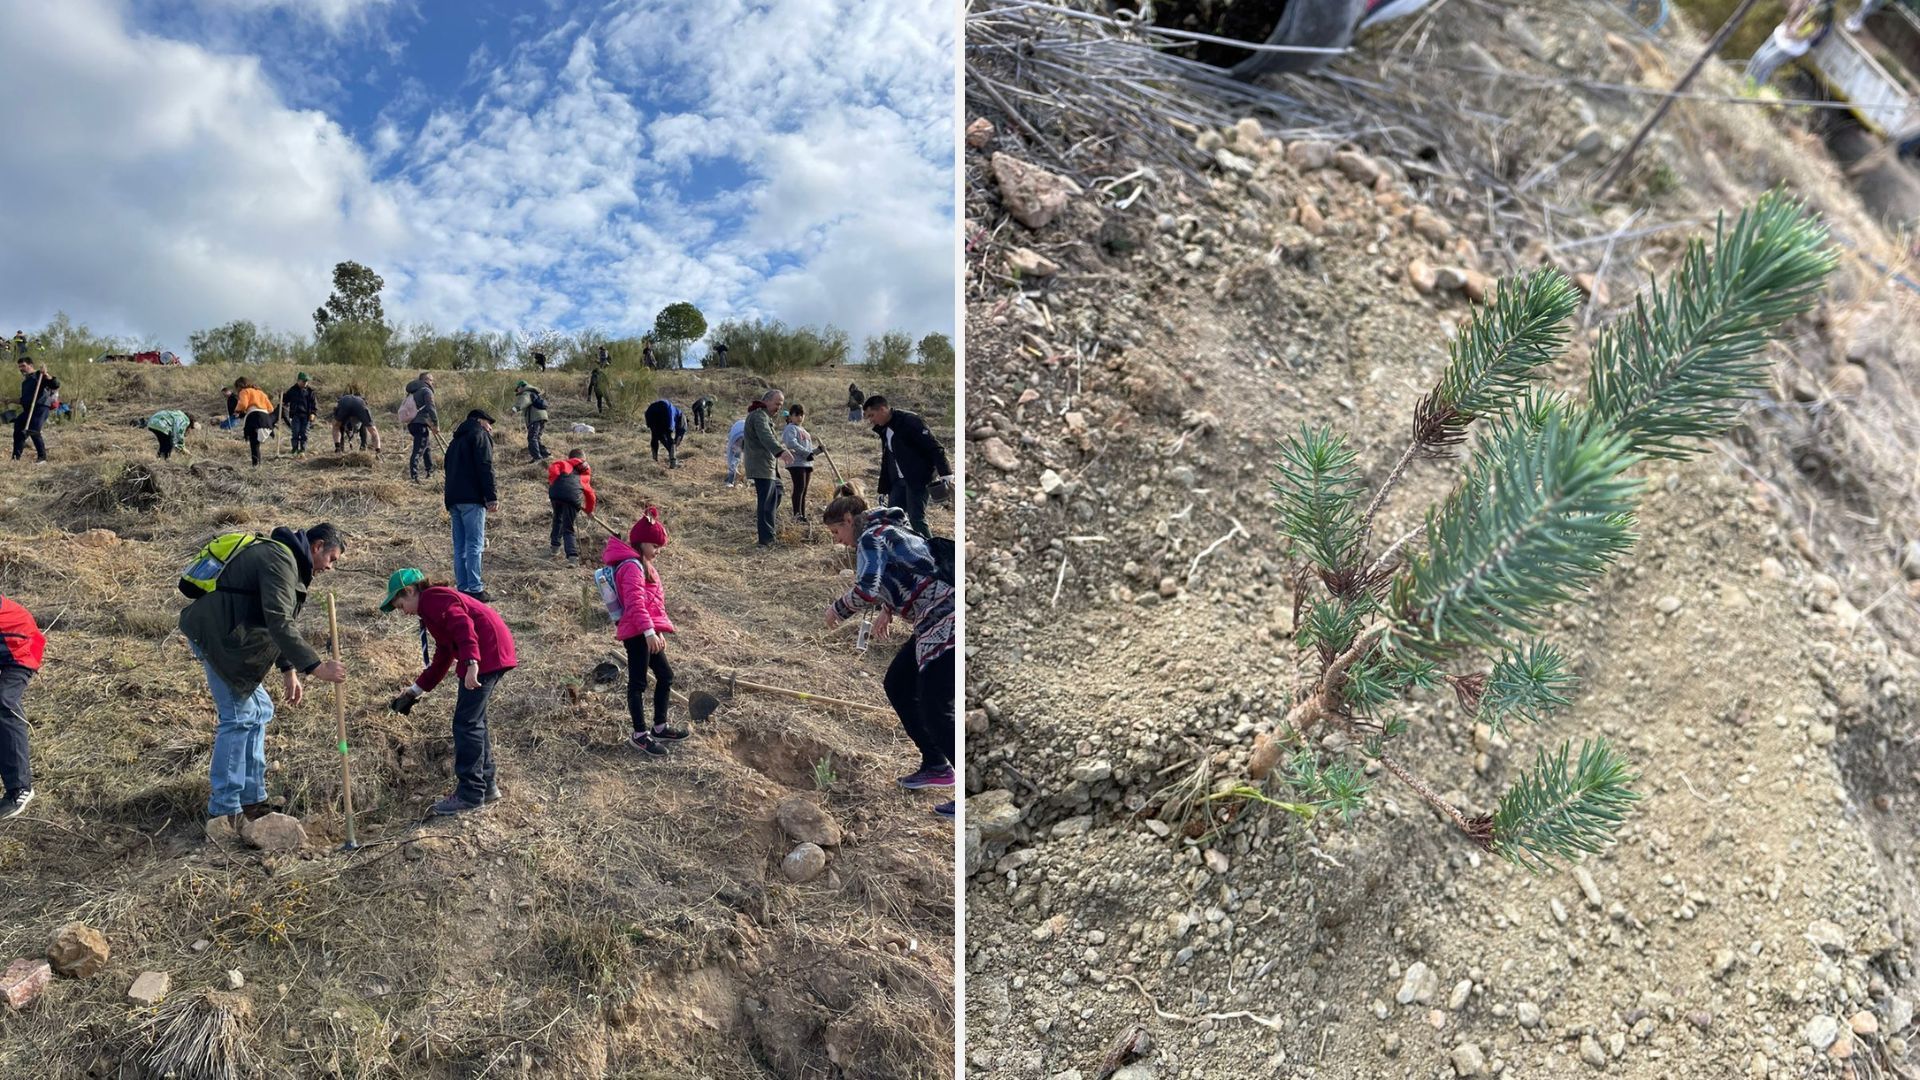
(612, 915)
(1131, 616)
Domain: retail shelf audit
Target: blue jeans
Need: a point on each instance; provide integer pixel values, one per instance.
(238, 774)
(472, 745)
(469, 534)
(767, 500)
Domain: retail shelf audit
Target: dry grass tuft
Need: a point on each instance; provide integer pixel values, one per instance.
(201, 1036)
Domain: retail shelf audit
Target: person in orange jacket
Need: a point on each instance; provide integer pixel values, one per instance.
(256, 409)
(570, 489)
(22, 647)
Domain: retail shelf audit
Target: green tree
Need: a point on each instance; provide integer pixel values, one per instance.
(678, 325)
(769, 346)
(351, 327)
(237, 342)
(889, 353)
(936, 355)
(1544, 505)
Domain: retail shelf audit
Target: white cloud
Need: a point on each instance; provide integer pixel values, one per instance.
(335, 15)
(172, 188)
(168, 187)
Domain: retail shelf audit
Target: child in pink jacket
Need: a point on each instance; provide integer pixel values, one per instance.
(643, 629)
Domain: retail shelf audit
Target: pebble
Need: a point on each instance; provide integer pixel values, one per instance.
(1418, 985)
(1592, 1053)
(1528, 1014)
(1216, 862)
(1820, 734)
(1821, 1031)
(1469, 1061)
(1864, 1023)
(1828, 935)
(1587, 887)
(235, 980)
(1667, 605)
(1050, 481)
(999, 454)
(1091, 772)
(1461, 991)
(149, 988)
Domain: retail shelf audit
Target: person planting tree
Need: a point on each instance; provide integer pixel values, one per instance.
(666, 426)
(471, 640)
(255, 409)
(636, 600)
(897, 574)
(247, 592)
(912, 461)
(170, 427)
(352, 416)
(570, 491)
(1544, 506)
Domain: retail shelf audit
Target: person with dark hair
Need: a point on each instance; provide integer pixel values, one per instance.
(473, 641)
(239, 628)
(855, 399)
(604, 358)
(762, 449)
(801, 445)
(668, 426)
(896, 574)
(256, 410)
(646, 352)
(597, 385)
(470, 496)
(422, 418)
(702, 413)
(912, 461)
(539, 360)
(570, 491)
(38, 392)
(170, 427)
(300, 407)
(22, 649)
(528, 398)
(351, 415)
(639, 608)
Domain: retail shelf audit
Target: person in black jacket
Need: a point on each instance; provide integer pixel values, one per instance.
(668, 425)
(37, 390)
(597, 386)
(425, 423)
(470, 497)
(301, 407)
(911, 460)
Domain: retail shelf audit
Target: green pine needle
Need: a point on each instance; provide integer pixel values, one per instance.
(1491, 363)
(1540, 515)
(1681, 364)
(1556, 813)
(1527, 684)
(1317, 495)
(1330, 626)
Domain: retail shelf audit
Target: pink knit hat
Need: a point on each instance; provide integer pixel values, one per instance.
(648, 530)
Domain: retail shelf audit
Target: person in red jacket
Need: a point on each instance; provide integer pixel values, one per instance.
(471, 638)
(21, 648)
(570, 490)
(643, 629)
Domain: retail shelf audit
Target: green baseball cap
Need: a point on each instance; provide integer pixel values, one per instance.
(520, 384)
(401, 578)
(302, 378)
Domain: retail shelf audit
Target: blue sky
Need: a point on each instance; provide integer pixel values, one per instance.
(519, 166)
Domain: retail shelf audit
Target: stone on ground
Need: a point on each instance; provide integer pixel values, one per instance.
(22, 982)
(807, 823)
(275, 832)
(1032, 195)
(150, 988)
(803, 863)
(78, 951)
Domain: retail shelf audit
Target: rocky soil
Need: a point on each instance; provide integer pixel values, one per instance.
(1129, 625)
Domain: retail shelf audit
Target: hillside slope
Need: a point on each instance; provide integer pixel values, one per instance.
(614, 916)
(1131, 611)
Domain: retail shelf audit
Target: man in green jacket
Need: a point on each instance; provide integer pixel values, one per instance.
(242, 628)
(761, 450)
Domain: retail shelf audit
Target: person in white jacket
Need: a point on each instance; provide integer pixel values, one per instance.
(736, 449)
(795, 439)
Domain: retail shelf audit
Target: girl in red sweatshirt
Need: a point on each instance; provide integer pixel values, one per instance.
(643, 629)
(470, 638)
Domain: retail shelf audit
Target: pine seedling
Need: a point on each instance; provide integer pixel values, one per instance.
(1543, 507)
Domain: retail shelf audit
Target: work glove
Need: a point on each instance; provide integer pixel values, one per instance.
(403, 704)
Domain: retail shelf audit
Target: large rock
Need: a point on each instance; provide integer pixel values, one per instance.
(807, 823)
(1030, 193)
(1029, 263)
(22, 982)
(1309, 155)
(150, 988)
(275, 832)
(999, 454)
(994, 814)
(803, 863)
(78, 951)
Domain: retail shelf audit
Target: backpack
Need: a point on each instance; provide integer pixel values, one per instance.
(409, 409)
(202, 575)
(610, 589)
(539, 401)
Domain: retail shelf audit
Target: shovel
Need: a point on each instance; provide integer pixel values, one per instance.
(734, 681)
(837, 478)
